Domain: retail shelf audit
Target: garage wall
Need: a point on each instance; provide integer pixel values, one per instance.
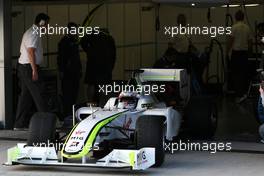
(132, 28)
(128, 25)
(198, 17)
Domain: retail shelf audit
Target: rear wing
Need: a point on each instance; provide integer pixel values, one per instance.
(167, 75)
(164, 75)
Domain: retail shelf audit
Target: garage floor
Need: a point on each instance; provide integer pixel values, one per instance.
(236, 123)
(181, 163)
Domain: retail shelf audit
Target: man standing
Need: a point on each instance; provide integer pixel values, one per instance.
(69, 65)
(180, 42)
(101, 56)
(28, 72)
(240, 43)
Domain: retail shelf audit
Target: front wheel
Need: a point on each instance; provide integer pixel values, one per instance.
(42, 129)
(149, 133)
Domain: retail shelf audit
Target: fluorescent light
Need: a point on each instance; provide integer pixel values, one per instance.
(193, 1)
(193, 4)
(251, 5)
(231, 5)
(237, 5)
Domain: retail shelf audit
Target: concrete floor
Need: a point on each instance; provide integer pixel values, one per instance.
(180, 163)
(236, 123)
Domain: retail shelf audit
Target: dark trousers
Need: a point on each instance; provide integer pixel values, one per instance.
(240, 72)
(93, 93)
(70, 91)
(96, 96)
(30, 93)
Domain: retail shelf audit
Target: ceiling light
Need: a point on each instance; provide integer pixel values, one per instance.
(231, 5)
(251, 5)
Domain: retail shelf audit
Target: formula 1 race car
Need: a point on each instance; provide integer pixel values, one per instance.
(128, 132)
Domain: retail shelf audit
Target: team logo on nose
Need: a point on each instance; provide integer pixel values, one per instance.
(79, 132)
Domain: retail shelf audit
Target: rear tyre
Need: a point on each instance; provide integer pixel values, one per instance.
(201, 115)
(149, 133)
(42, 129)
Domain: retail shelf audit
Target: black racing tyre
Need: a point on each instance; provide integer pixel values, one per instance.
(42, 129)
(149, 133)
(201, 114)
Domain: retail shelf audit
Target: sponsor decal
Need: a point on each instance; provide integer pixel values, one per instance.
(76, 138)
(79, 132)
(74, 144)
(141, 158)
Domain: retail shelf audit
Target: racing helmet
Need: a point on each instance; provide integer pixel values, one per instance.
(128, 100)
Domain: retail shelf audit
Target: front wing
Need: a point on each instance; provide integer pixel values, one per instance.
(47, 156)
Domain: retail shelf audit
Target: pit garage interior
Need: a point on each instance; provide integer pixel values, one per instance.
(138, 30)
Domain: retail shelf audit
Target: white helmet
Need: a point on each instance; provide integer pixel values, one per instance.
(128, 100)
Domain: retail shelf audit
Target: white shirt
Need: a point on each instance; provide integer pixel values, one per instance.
(241, 34)
(31, 39)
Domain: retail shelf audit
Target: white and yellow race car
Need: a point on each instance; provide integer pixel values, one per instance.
(128, 132)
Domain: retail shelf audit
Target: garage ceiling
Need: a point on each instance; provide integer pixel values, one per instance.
(198, 3)
(160, 1)
(203, 3)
